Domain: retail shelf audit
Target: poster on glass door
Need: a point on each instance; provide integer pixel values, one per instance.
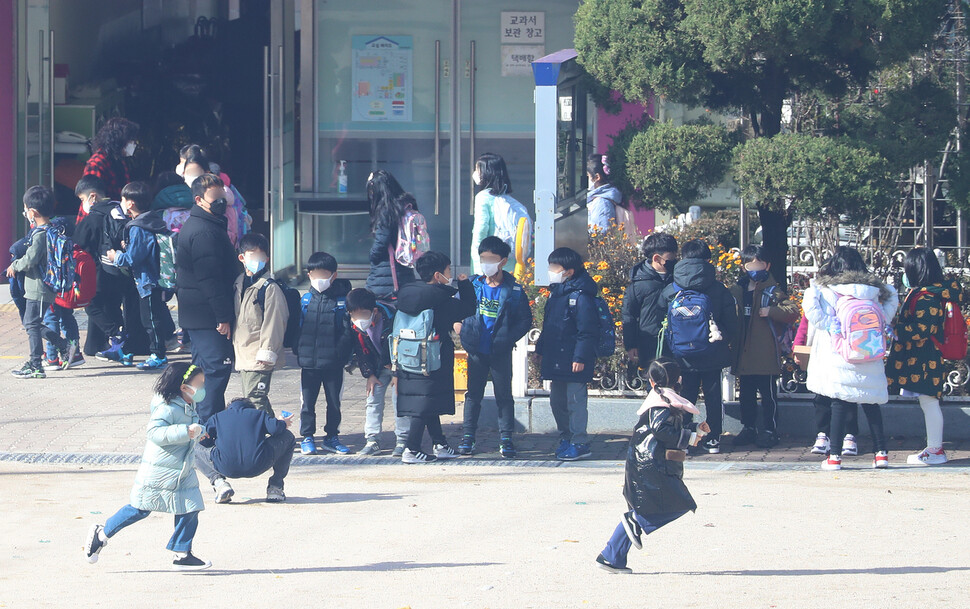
(381, 78)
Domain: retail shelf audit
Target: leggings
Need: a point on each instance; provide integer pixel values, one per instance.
(840, 409)
(933, 417)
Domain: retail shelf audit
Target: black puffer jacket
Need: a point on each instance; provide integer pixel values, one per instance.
(419, 395)
(379, 280)
(102, 229)
(325, 338)
(570, 330)
(206, 267)
(644, 309)
(653, 483)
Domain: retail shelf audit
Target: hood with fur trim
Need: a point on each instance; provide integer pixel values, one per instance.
(854, 283)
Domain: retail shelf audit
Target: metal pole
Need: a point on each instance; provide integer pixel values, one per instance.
(437, 127)
(929, 180)
(743, 226)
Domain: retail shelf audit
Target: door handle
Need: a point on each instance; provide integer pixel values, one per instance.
(50, 66)
(471, 122)
(267, 133)
(437, 127)
(282, 115)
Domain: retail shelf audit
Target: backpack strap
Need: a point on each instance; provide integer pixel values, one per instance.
(261, 294)
(304, 305)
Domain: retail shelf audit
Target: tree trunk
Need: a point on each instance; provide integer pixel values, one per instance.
(774, 233)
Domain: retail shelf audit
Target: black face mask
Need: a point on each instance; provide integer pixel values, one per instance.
(669, 266)
(218, 207)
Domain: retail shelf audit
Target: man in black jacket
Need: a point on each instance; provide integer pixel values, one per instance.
(644, 308)
(206, 267)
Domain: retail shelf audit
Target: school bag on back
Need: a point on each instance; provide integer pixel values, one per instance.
(166, 260)
(414, 344)
(687, 327)
(412, 238)
(59, 275)
(863, 337)
(954, 345)
(294, 306)
(85, 282)
(606, 335)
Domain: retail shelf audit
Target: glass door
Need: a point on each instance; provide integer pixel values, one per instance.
(36, 87)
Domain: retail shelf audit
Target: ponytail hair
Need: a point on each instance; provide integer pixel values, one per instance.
(664, 373)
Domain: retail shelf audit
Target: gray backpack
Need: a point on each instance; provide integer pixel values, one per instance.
(414, 344)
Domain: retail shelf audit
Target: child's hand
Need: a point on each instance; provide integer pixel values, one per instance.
(462, 277)
(457, 327)
(195, 430)
(10, 271)
(372, 382)
(704, 428)
(578, 366)
(763, 311)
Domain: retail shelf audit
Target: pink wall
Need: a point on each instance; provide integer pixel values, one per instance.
(608, 125)
(8, 114)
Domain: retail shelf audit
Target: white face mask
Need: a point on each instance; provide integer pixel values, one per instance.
(557, 277)
(490, 269)
(130, 149)
(477, 177)
(363, 324)
(321, 285)
(180, 170)
(450, 280)
(190, 179)
(87, 205)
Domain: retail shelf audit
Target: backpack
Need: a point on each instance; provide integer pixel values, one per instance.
(954, 345)
(687, 325)
(863, 337)
(85, 282)
(414, 344)
(606, 342)
(294, 306)
(784, 333)
(59, 276)
(166, 260)
(514, 226)
(412, 238)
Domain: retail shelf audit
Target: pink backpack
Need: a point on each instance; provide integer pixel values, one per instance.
(412, 238)
(863, 337)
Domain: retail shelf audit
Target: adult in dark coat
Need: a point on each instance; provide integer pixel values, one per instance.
(206, 267)
(388, 204)
(644, 308)
(426, 398)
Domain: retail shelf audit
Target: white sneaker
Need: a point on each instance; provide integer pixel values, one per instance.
(850, 448)
(832, 464)
(927, 457)
(881, 460)
(223, 491)
(410, 456)
(822, 445)
(443, 451)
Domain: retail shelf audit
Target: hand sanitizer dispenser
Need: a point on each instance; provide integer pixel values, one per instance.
(342, 178)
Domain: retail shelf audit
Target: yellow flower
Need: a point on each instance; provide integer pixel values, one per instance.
(602, 266)
(597, 278)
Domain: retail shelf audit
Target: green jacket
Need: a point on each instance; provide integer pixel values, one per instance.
(33, 265)
(166, 480)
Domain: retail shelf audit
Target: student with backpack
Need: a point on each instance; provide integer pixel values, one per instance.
(142, 255)
(389, 207)
(567, 348)
(930, 328)
(371, 325)
(603, 198)
(766, 315)
(503, 317)
(261, 320)
(644, 308)
(35, 264)
(498, 213)
(322, 351)
(701, 328)
(59, 317)
(850, 308)
(423, 354)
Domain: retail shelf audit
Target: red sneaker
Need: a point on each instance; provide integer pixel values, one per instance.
(833, 463)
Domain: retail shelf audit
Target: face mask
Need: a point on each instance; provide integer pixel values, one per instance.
(477, 177)
(906, 283)
(490, 268)
(189, 180)
(758, 276)
(557, 277)
(130, 149)
(255, 265)
(197, 394)
(218, 207)
(449, 280)
(363, 324)
(180, 170)
(321, 285)
(87, 205)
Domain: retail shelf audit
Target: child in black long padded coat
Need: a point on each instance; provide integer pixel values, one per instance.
(654, 487)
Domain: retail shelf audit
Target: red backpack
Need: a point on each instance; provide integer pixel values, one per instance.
(954, 345)
(85, 282)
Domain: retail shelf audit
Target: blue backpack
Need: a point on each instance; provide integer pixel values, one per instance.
(687, 326)
(414, 344)
(606, 343)
(59, 274)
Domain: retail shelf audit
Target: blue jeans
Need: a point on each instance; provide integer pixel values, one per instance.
(60, 319)
(185, 526)
(213, 353)
(619, 544)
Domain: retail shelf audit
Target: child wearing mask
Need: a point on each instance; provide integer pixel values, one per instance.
(644, 309)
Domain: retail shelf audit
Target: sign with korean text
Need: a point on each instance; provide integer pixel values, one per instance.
(523, 27)
(517, 58)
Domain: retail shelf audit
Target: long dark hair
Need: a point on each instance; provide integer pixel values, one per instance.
(195, 155)
(170, 381)
(844, 260)
(922, 268)
(388, 200)
(665, 374)
(598, 164)
(112, 138)
(494, 174)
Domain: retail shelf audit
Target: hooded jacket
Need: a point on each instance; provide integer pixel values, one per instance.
(434, 394)
(380, 281)
(325, 339)
(644, 310)
(207, 267)
(514, 318)
(177, 196)
(570, 330)
(101, 229)
(699, 275)
(757, 351)
(828, 373)
(260, 327)
(141, 251)
(239, 436)
(601, 205)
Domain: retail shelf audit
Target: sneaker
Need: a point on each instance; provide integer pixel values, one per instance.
(563, 445)
(410, 456)
(467, 444)
(153, 363)
(398, 450)
(575, 452)
(127, 359)
(606, 566)
(113, 352)
(443, 451)
(370, 448)
(308, 446)
(29, 371)
(77, 361)
(172, 345)
(767, 439)
(223, 491)
(506, 448)
(850, 448)
(93, 545)
(928, 456)
(274, 494)
(711, 446)
(747, 436)
(822, 445)
(332, 444)
(189, 562)
(881, 460)
(67, 356)
(50, 365)
(633, 530)
(832, 463)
